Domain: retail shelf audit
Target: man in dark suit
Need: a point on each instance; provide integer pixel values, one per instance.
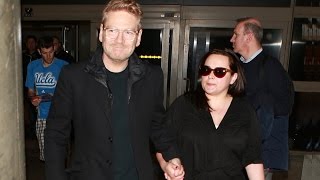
(115, 103)
(268, 90)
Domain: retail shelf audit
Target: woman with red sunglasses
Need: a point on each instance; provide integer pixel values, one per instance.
(216, 128)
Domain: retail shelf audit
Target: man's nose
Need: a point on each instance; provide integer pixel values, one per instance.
(119, 37)
(232, 38)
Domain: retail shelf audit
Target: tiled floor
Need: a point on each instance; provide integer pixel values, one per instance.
(34, 167)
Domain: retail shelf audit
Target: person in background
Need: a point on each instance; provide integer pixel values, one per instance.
(269, 95)
(29, 54)
(41, 80)
(216, 127)
(115, 103)
(60, 53)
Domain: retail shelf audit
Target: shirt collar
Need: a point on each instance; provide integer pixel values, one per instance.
(252, 57)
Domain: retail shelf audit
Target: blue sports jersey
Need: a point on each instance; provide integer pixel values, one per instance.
(43, 80)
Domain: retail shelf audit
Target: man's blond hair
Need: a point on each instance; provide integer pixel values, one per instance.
(130, 6)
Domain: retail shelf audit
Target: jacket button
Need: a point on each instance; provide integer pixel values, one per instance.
(110, 139)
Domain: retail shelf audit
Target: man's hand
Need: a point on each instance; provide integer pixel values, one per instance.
(35, 100)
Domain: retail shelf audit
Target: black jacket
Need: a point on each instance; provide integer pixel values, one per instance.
(83, 98)
(62, 54)
(27, 57)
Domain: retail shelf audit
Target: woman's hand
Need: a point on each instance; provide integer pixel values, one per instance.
(173, 170)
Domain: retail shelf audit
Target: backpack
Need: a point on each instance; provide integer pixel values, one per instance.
(290, 86)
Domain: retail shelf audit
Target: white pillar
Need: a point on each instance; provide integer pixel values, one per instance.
(12, 158)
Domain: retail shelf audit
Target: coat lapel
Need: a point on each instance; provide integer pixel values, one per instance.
(95, 68)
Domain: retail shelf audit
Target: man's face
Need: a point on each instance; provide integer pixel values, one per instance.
(31, 45)
(119, 48)
(47, 54)
(239, 38)
(56, 44)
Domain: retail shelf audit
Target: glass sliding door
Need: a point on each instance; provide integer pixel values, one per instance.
(156, 48)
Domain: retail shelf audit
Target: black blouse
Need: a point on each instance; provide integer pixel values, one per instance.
(208, 152)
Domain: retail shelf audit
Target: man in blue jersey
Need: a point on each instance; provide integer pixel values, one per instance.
(41, 80)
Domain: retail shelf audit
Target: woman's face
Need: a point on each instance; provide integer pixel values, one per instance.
(213, 85)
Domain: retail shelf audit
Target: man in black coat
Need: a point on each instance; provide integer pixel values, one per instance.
(59, 52)
(114, 102)
(268, 90)
(29, 54)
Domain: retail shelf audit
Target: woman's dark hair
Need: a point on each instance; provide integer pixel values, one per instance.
(198, 97)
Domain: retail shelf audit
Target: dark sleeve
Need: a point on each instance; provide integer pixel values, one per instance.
(173, 115)
(71, 58)
(277, 81)
(164, 141)
(58, 128)
(253, 151)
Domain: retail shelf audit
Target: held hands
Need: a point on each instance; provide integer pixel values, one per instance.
(173, 170)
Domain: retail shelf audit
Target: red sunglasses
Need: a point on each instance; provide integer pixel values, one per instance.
(219, 72)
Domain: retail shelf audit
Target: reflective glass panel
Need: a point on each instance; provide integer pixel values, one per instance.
(151, 46)
(305, 50)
